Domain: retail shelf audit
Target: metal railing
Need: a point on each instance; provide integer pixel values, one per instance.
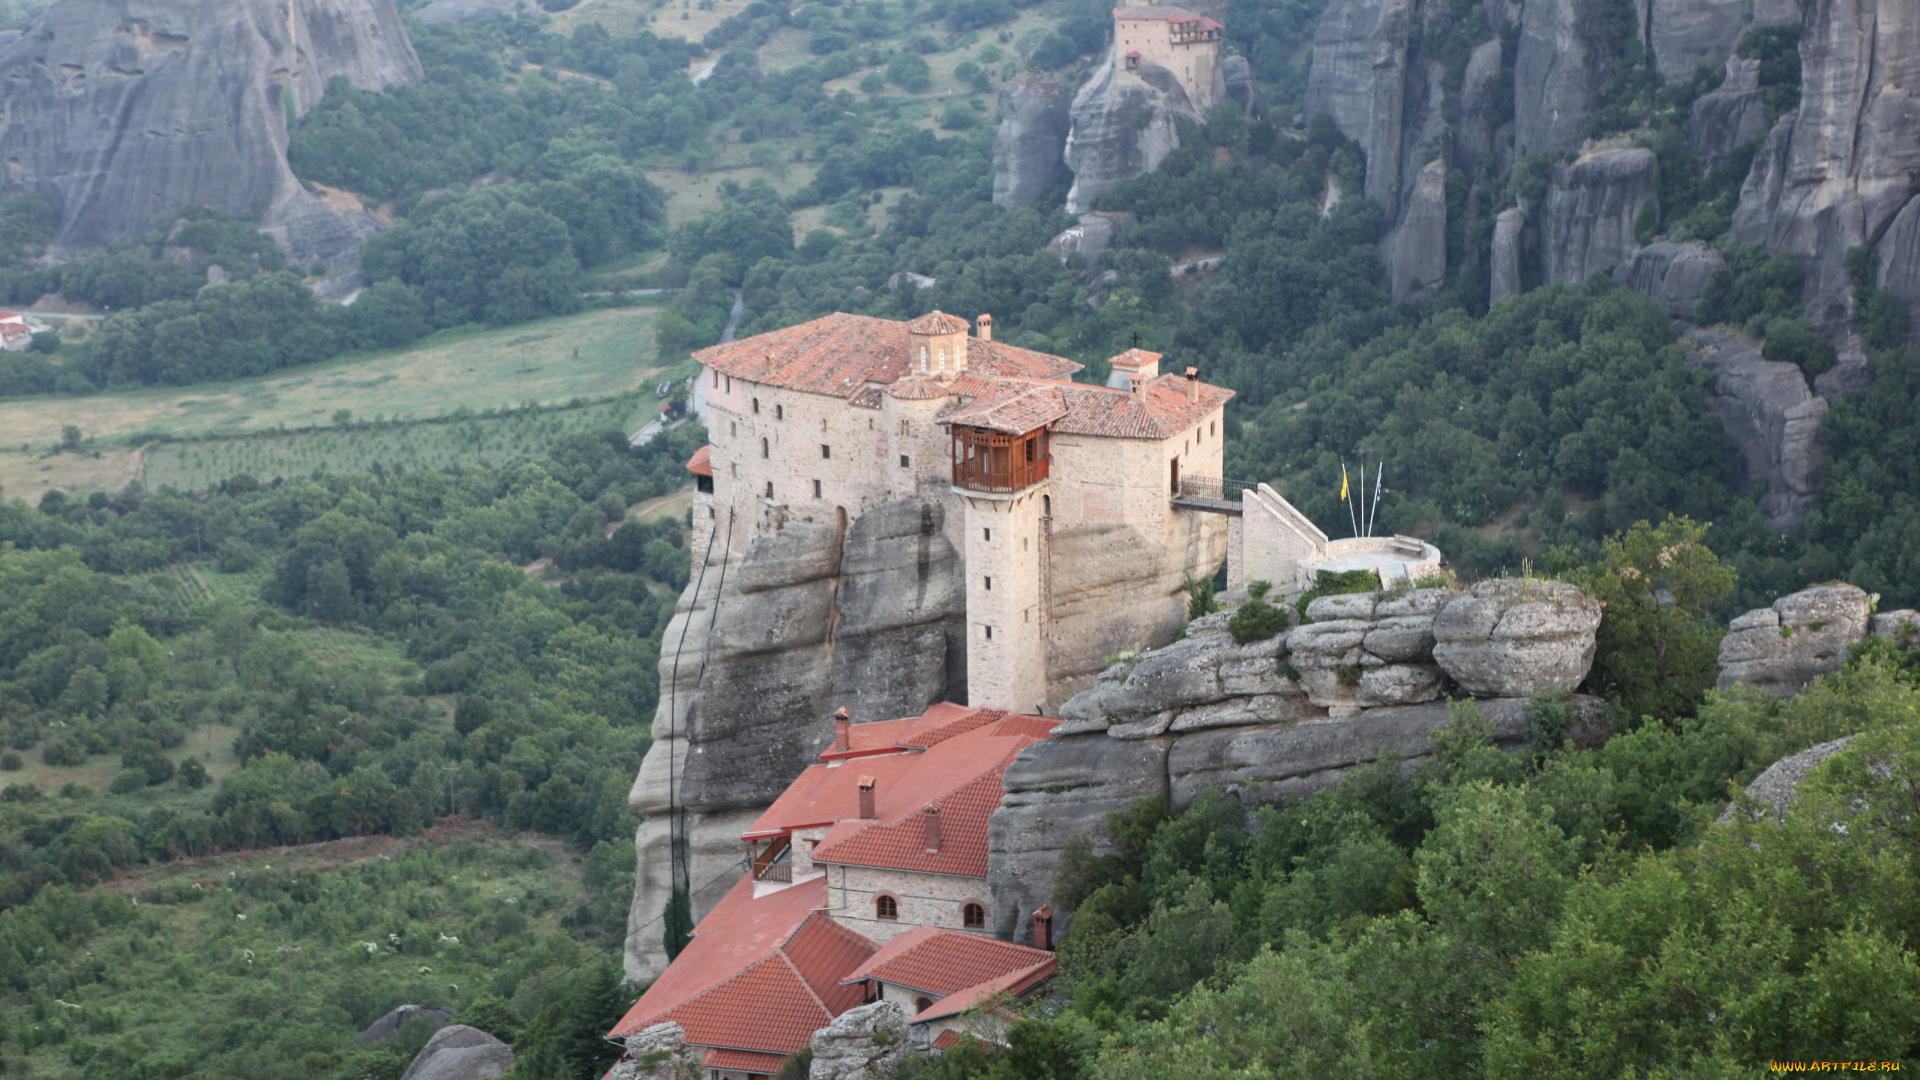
(1213, 487)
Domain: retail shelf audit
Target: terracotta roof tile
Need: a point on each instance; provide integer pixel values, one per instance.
(760, 975)
(900, 843)
(743, 1061)
(1011, 985)
(931, 960)
(937, 322)
(1163, 412)
(949, 1039)
(1015, 408)
(1134, 359)
(866, 399)
(947, 726)
(916, 388)
(841, 354)
(701, 463)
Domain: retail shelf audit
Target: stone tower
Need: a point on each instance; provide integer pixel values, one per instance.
(1006, 611)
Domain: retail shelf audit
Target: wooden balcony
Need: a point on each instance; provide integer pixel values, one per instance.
(780, 872)
(992, 461)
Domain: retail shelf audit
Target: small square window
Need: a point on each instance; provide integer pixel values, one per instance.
(903, 461)
(816, 489)
(989, 581)
(987, 535)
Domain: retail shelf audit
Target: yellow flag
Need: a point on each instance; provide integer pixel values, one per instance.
(1343, 481)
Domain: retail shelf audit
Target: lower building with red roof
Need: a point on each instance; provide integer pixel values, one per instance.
(866, 881)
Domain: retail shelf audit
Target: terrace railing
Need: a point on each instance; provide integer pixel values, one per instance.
(1213, 487)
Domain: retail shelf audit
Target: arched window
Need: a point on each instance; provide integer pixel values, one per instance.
(922, 1004)
(973, 916)
(886, 907)
(763, 446)
(769, 489)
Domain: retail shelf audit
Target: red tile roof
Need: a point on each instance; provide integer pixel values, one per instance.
(949, 1039)
(867, 399)
(760, 975)
(1134, 359)
(914, 762)
(701, 463)
(900, 842)
(937, 322)
(1078, 409)
(930, 960)
(1011, 985)
(841, 354)
(916, 388)
(743, 1061)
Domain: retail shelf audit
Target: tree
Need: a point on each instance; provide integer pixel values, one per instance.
(567, 1040)
(70, 437)
(1657, 648)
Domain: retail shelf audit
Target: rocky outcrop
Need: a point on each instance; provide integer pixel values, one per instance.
(1123, 125)
(1771, 418)
(1028, 148)
(1782, 648)
(119, 109)
(1511, 637)
(1368, 650)
(1242, 88)
(1851, 374)
(816, 617)
(1359, 79)
(460, 1052)
(1674, 274)
(1087, 238)
(1280, 718)
(657, 1053)
(1564, 57)
(866, 1043)
(1415, 252)
(1479, 87)
(1508, 229)
(1684, 34)
(1836, 174)
(1902, 626)
(1731, 116)
(1590, 211)
(390, 1024)
(1779, 786)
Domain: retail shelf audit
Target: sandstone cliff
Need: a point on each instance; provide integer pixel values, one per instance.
(1028, 147)
(119, 109)
(1590, 212)
(1772, 419)
(817, 616)
(1359, 79)
(1563, 58)
(1122, 125)
(1837, 173)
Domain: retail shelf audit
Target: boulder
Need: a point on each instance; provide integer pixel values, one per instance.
(1054, 791)
(1087, 237)
(1850, 374)
(1563, 58)
(1507, 228)
(657, 1053)
(1414, 254)
(459, 1052)
(1771, 418)
(118, 109)
(865, 1043)
(1268, 766)
(1591, 207)
(1242, 88)
(1204, 680)
(1032, 137)
(1836, 174)
(1123, 125)
(1779, 786)
(1359, 79)
(1512, 637)
(1730, 116)
(1674, 274)
(1902, 626)
(390, 1024)
(1368, 650)
(1800, 638)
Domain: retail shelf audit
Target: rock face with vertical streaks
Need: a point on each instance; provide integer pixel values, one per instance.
(1123, 125)
(1674, 274)
(1731, 116)
(1564, 57)
(1359, 79)
(1590, 212)
(1032, 137)
(1772, 420)
(120, 109)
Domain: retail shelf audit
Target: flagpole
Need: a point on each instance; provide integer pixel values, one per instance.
(1373, 517)
(1348, 499)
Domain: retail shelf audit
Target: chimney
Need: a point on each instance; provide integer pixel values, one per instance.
(986, 327)
(1043, 928)
(933, 829)
(770, 367)
(1193, 384)
(866, 798)
(1137, 389)
(842, 731)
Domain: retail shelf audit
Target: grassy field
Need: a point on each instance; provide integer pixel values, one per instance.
(593, 356)
(486, 440)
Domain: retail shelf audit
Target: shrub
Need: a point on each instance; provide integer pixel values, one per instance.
(146, 756)
(192, 774)
(1258, 620)
(11, 762)
(64, 752)
(128, 781)
(909, 73)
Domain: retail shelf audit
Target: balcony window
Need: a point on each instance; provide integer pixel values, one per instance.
(994, 461)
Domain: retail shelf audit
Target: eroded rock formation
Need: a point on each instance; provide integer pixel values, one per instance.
(1778, 787)
(1729, 117)
(817, 616)
(657, 1053)
(866, 1043)
(1028, 147)
(1278, 718)
(460, 1052)
(1564, 57)
(1687, 33)
(1772, 419)
(1123, 125)
(1359, 79)
(119, 109)
(1674, 274)
(1590, 211)
(1415, 252)
(1782, 648)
